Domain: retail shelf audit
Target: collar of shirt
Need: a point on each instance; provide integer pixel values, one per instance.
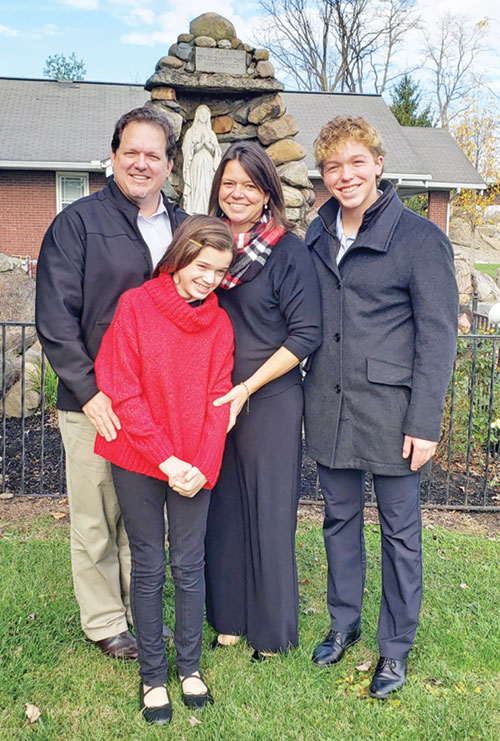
(156, 232)
(345, 242)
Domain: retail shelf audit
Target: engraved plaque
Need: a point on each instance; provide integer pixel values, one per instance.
(226, 61)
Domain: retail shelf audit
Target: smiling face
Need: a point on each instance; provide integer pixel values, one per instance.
(241, 200)
(350, 176)
(199, 278)
(140, 165)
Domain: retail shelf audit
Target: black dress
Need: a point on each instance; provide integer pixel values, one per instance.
(250, 546)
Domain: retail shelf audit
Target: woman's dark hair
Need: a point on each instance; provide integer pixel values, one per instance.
(261, 170)
(195, 233)
(144, 115)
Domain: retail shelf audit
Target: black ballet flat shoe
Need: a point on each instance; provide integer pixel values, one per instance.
(195, 702)
(160, 715)
(262, 656)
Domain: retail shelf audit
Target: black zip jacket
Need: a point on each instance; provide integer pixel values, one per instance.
(92, 252)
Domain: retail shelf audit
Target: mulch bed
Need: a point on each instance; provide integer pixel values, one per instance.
(457, 489)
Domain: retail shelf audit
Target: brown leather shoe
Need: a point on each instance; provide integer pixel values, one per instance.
(122, 646)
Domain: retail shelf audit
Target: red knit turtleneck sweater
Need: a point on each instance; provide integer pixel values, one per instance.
(163, 362)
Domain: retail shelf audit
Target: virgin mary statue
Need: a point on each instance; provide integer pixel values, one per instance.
(201, 153)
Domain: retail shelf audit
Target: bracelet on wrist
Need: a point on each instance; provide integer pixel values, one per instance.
(242, 383)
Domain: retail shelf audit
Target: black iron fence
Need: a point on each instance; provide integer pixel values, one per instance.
(465, 473)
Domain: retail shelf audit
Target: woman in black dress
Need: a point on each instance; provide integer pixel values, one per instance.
(272, 298)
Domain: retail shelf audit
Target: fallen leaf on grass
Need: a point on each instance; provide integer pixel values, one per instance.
(477, 690)
(463, 585)
(194, 721)
(304, 581)
(366, 666)
(310, 611)
(32, 616)
(32, 713)
(57, 515)
(18, 650)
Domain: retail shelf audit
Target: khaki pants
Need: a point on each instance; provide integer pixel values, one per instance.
(100, 554)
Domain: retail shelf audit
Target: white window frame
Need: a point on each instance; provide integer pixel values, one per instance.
(60, 175)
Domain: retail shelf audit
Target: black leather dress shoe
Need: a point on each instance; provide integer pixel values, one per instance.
(389, 675)
(332, 649)
(122, 646)
(159, 715)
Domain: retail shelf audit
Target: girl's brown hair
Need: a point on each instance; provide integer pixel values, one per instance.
(195, 233)
(261, 170)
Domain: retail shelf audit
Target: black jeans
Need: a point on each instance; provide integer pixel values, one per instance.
(142, 500)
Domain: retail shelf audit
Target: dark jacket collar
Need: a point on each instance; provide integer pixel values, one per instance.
(111, 190)
(379, 221)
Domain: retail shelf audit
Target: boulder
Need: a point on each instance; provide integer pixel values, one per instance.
(207, 42)
(239, 132)
(286, 150)
(222, 124)
(279, 128)
(175, 119)
(261, 55)
(224, 44)
(487, 289)
(184, 51)
(265, 69)
(295, 174)
(464, 280)
(214, 25)
(17, 304)
(293, 197)
(13, 400)
(309, 196)
(184, 38)
(236, 43)
(163, 93)
(209, 82)
(11, 372)
(169, 61)
(294, 214)
(265, 108)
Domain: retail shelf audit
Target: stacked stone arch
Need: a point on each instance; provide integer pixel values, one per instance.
(211, 66)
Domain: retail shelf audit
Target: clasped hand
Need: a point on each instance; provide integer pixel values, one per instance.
(183, 478)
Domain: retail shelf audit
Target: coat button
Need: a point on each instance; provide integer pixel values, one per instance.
(336, 337)
(339, 285)
(338, 389)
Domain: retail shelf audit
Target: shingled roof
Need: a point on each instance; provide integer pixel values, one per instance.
(46, 124)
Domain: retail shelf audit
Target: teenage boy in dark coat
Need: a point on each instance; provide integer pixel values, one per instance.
(375, 391)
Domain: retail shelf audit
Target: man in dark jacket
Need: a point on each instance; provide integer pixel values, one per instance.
(375, 390)
(94, 250)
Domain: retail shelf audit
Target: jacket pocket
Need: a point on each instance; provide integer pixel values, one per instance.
(390, 374)
(95, 339)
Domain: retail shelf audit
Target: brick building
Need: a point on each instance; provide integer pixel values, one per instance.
(55, 142)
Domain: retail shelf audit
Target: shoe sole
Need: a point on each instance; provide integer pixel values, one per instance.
(332, 663)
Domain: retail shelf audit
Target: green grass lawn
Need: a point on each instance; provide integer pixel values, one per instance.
(452, 690)
(489, 268)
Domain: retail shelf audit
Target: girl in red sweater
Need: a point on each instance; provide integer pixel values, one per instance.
(166, 356)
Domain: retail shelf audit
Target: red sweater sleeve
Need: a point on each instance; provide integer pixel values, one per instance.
(209, 456)
(118, 375)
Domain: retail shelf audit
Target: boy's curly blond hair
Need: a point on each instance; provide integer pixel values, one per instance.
(334, 134)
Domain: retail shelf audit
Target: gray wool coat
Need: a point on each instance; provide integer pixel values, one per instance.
(389, 337)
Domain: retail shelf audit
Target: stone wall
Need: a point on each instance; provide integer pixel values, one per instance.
(210, 65)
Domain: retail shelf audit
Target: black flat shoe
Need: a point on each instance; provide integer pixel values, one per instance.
(195, 702)
(389, 675)
(159, 715)
(217, 644)
(332, 649)
(261, 656)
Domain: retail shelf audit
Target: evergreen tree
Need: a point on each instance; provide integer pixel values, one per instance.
(406, 97)
(59, 67)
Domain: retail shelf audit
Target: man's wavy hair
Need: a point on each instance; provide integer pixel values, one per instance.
(144, 115)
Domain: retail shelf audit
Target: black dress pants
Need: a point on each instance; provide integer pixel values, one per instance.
(398, 502)
(142, 501)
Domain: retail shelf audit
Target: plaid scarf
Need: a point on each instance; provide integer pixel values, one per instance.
(254, 248)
